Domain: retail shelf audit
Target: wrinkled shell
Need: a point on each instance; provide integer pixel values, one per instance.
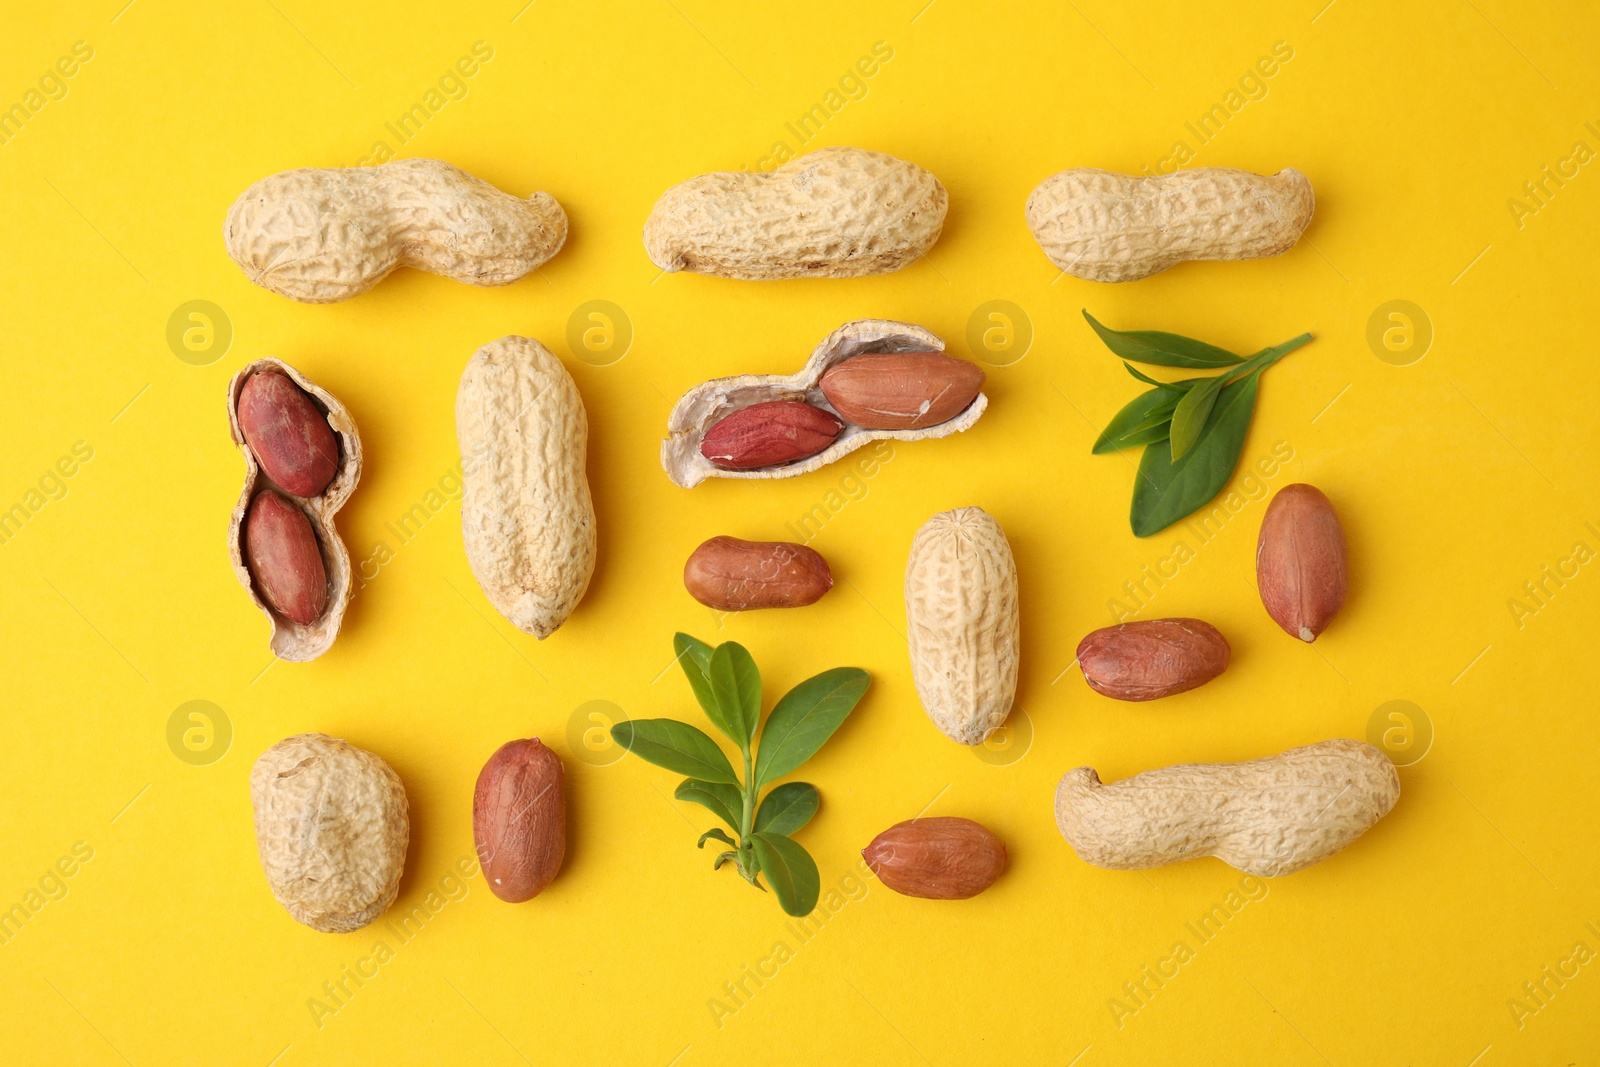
(1152, 658)
(526, 516)
(1108, 227)
(835, 213)
(291, 640)
(332, 828)
(961, 623)
(728, 574)
(1301, 567)
(320, 235)
(939, 858)
(1266, 817)
(519, 819)
(707, 404)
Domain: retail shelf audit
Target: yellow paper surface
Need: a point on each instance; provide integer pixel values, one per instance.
(1451, 148)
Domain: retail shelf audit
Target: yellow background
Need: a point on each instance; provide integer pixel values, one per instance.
(1459, 477)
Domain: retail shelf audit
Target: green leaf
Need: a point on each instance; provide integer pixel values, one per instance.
(805, 718)
(716, 833)
(716, 864)
(791, 871)
(736, 685)
(677, 746)
(695, 657)
(1190, 416)
(1167, 490)
(1142, 420)
(1162, 349)
(726, 802)
(787, 808)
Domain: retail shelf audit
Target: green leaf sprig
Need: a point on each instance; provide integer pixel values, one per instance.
(1192, 430)
(728, 686)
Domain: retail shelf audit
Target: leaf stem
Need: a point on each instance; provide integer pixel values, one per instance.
(1266, 358)
(747, 817)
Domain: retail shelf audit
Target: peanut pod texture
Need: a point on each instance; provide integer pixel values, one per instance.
(1301, 566)
(321, 235)
(701, 410)
(834, 213)
(1107, 227)
(1269, 816)
(284, 425)
(961, 623)
(332, 826)
(527, 519)
(519, 819)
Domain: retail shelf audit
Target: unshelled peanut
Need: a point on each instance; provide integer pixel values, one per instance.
(1108, 227)
(320, 235)
(332, 828)
(835, 213)
(1266, 816)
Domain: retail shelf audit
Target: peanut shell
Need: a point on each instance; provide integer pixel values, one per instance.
(292, 640)
(1268, 816)
(527, 519)
(834, 213)
(961, 623)
(320, 235)
(1107, 227)
(702, 407)
(332, 827)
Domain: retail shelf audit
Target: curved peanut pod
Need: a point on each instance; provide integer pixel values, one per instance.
(291, 640)
(962, 624)
(527, 519)
(1267, 816)
(834, 213)
(708, 403)
(320, 235)
(1107, 227)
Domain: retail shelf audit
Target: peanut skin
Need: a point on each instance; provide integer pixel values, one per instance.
(290, 437)
(1301, 566)
(770, 434)
(901, 390)
(1153, 658)
(284, 558)
(940, 858)
(728, 574)
(519, 819)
